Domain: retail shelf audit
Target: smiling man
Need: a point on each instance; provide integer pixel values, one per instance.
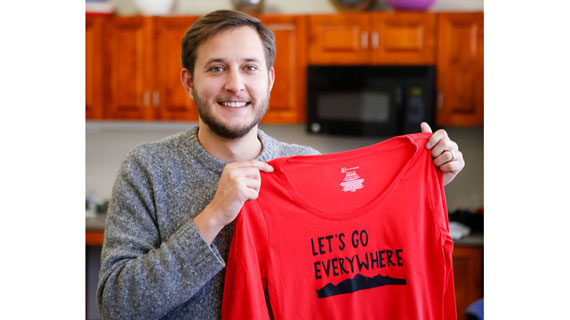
(169, 223)
(230, 83)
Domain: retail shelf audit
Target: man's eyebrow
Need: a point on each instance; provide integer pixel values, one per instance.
(223, 60)
(251, 60)
(214, 60)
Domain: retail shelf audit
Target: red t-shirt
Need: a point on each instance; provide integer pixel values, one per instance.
(361, 234)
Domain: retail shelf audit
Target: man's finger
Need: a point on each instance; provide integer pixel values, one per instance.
(254, 163)
(435, 138)
(445, 157)
(451, 166)
(264, 167)
(249, 172)
(252, 183)
(442, 146)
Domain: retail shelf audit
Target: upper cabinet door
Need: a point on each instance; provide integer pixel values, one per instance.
(287, 103)
(460, 69)
(129, 68)
(340, 39)
(403, 38)
(94, 53)
(168, 94)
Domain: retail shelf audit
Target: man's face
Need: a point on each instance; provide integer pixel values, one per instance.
(231, 83)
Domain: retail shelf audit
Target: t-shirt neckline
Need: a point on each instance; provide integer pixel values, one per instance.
(387, 145)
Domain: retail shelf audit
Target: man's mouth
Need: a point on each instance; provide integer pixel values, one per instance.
(233, 104)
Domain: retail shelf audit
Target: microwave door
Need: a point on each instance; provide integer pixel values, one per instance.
(362, 112)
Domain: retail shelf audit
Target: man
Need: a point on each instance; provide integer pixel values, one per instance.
(169, 224)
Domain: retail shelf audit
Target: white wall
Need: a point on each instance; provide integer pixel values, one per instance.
(198, 7)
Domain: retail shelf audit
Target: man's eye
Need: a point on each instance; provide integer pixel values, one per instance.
(250, 68)
(217, 69)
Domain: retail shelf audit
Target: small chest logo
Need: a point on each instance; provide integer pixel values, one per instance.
(352, 181)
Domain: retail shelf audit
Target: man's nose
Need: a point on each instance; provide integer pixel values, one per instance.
(234, 81)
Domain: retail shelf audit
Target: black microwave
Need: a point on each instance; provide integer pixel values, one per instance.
(369, 100)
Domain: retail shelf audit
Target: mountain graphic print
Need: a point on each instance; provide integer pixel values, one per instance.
(359, 282)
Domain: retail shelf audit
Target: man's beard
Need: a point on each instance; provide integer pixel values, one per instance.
(221, 129)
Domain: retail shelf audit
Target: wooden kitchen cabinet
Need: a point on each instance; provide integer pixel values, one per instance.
(460, 69)
(339, 39)
(94, 53)
(379, 38)
(169, 97)
(467, 276)
(129, 57)
(288, 96)
(144, 69)
(403, 38)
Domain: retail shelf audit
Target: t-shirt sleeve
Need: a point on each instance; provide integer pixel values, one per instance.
(246, 273)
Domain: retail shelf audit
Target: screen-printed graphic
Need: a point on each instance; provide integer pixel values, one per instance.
(353, 265)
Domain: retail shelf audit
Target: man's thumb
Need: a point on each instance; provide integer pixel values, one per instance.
(425, 127)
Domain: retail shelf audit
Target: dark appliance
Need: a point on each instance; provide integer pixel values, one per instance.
(369, 100)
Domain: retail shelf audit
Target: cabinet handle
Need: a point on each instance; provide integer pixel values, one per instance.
(146, 99)
(374, 40)
(440, 100)
(364, 39)
(155, 98)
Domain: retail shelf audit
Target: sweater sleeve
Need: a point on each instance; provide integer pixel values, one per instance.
(142, 276)
(246, 273)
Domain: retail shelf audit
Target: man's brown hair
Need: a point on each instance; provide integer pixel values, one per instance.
(216, 21)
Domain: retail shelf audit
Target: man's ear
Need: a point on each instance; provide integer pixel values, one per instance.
(186, 79)
(271, 78)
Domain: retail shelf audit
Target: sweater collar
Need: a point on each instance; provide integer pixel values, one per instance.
(216, 165)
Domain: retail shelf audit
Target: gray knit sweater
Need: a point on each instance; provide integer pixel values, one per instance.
(154, 263)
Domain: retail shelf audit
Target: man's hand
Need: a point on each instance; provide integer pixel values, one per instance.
(445, 153)
(240, 182)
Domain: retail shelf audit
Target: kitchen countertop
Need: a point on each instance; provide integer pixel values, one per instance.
(95, 223)
(472, 240)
